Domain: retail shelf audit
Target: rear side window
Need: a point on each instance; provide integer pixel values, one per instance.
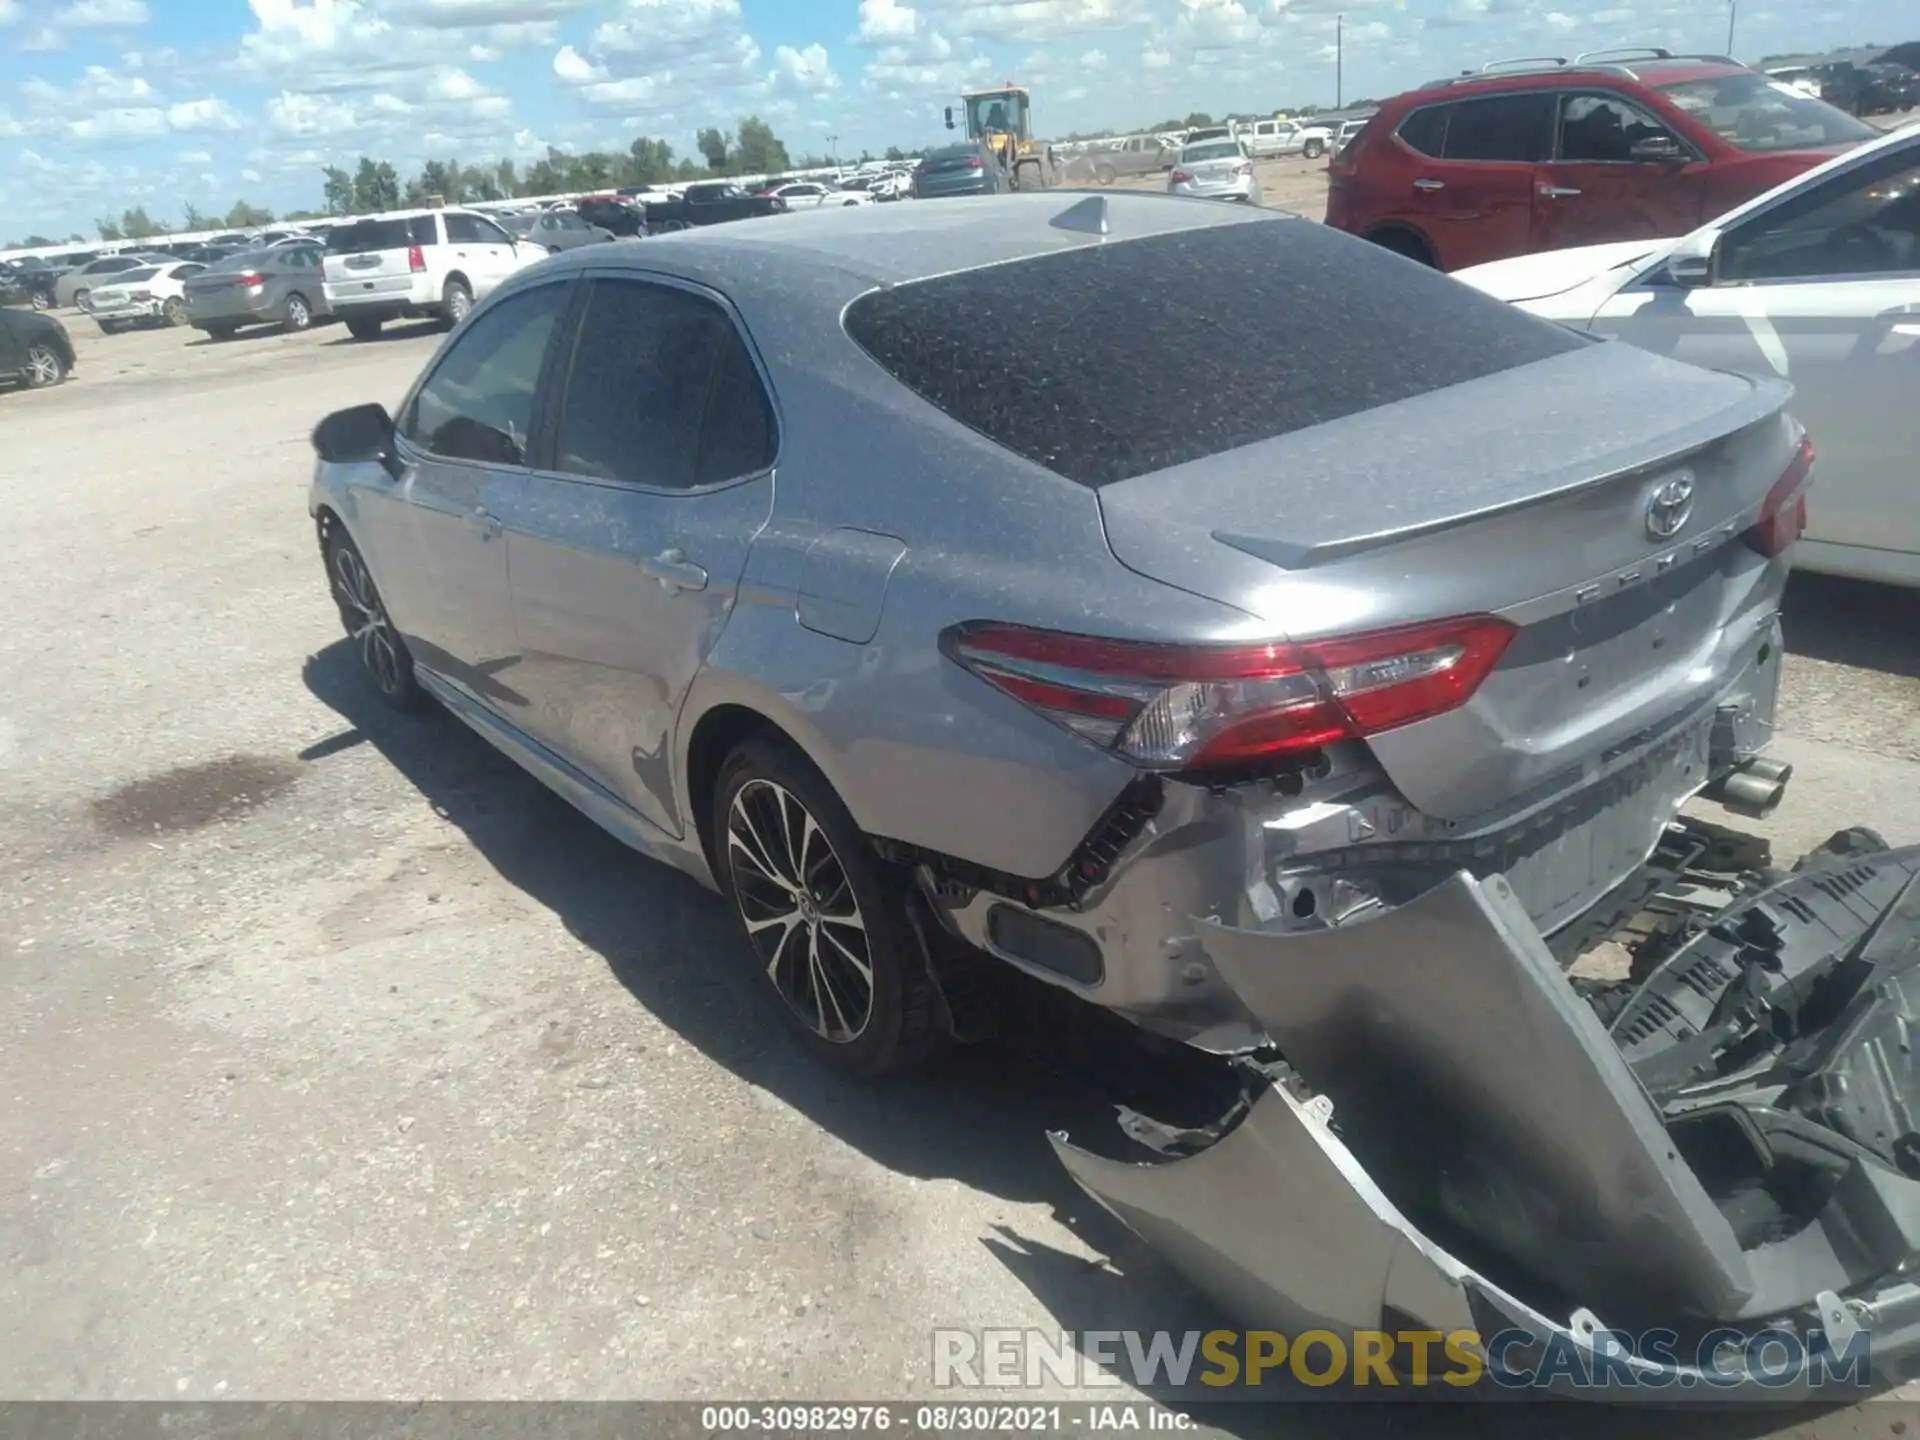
(661, 392)
(1105, 362)
(380, 234)
(1426, 130)
(1501, 127)
(478, 402)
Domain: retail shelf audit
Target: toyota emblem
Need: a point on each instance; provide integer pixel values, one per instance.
(1669, 506)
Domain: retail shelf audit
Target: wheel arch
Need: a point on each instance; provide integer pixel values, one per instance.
(1405, 233)
(461, 276)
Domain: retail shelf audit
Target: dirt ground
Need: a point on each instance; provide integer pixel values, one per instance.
(340, 1059)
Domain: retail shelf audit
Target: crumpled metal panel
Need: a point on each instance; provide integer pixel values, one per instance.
(1476, 1085)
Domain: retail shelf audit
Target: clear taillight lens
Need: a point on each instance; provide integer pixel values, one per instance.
(1192, 707)
(1784, 513)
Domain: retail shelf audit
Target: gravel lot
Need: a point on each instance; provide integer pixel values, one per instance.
(340, 1059)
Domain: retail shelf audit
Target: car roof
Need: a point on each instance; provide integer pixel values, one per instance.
(894, 245)
(1666, 70)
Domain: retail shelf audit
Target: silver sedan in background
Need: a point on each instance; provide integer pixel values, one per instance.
(554, 230)
(1214, 170)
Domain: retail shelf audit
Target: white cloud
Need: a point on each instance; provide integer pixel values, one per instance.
(102, 15)
(198, 116)
(141, 123)
(1155, 57)
(459, 14)
(802, 72)
(574, 68)
(194, 157)
(454, 85)
(654, 58)
(1094, 60)
(884, 20)
(9, 12)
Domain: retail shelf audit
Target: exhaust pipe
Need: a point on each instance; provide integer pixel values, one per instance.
(1754, 788)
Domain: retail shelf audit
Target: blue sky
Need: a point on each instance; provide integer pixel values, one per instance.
(110, 103)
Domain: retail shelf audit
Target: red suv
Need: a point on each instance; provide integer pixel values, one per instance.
(1543, 154)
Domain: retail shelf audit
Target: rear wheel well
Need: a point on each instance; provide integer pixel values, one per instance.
(719, 733)
(453, 275)
(1405, 240)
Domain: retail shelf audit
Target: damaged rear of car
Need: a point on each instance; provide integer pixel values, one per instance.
(1512, 600)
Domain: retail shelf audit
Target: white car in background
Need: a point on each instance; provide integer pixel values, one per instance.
(1818, 282)
(1265, 139)
(152, 295)
(812, 195)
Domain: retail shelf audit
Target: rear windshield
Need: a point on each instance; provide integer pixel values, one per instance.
(244, 260)
(1756, 112)
(1212, 150)
(1109, 361)
(949, 152)
(382, 234)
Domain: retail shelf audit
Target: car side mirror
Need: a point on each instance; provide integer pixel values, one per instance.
(360, 435)
(1659, 149)
(1693, 262)
(950, 117)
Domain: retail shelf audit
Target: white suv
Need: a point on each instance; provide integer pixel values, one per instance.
(416, 262)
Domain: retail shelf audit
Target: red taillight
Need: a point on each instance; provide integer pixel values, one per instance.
(416, 259)
(323, 269)
(1181, 177)
(250, 278)
(1184, 707)
(974, 162)
(1784, 513)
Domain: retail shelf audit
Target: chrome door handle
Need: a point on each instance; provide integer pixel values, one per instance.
(674, 571)
(485, 521)
(1429, 184)
(1557, 192)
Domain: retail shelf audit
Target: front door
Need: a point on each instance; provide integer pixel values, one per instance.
(1822, 289)
(481, 249)
(634, 530)
(1617, 173)
(435, 539)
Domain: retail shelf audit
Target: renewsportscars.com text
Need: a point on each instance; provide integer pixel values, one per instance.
(1384, 1359)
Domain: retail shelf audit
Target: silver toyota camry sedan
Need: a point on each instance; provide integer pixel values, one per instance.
(1315, 714)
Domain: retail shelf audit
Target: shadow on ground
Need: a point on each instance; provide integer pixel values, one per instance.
(1853, 622)
(978, 1117)
(392, 330)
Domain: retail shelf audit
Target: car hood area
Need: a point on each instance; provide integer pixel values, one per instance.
(1554, 272)
(1449, 1134)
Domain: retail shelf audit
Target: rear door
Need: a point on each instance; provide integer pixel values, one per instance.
(1602, 183)
(634, 530)
(1822, 289)
(1478, 200)
(435, 536)
(369, 258)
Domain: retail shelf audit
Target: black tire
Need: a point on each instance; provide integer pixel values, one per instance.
(383, 655)
(808, 954)
(553, 250)
(1028, 177)
(1313, 149)
(1406, 243)
(363, 328)
(40, 300)
(46, 367)
(299, 314)
(1104, 174)
(173, 312)
(456, 303)
(109, 327)
(221, 332)
(80, 299)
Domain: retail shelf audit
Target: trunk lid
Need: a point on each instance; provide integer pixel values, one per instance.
(1531, 494)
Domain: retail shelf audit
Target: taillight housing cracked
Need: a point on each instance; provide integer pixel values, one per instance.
(1202, 707)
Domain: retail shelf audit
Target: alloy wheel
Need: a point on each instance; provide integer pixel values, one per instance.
(800, 911)
(43, 366)
(367, 623)
(298, 316)
(458, 304)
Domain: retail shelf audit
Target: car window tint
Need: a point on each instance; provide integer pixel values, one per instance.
(1426, 130)
(656, 395)
(490, 233)
(363, 235)
(478, 402)
(1604, 128)
(1238, 332)
(1501, 127)
(462, 230)
(1863, 222)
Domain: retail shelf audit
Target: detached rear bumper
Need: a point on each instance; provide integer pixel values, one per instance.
(1457, 1143)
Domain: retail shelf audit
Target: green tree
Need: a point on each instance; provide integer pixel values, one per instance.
(108, 229)
(136, 224)
(760, 151)
(197, 219)
(247, 217)
(376, 185)
(1197, 120)
(336, 190)
(39, 241)
(713, 145)
(894, 152)
(686, 170)
(648, 162)
(506, 179)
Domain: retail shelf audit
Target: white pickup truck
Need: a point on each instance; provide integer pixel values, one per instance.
(1266, 138)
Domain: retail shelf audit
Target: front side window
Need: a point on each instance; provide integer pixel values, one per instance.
(463, 230)
(1501, 128)
(1756, 113)
(1864, 222)
(478, 402)
(661, 392)
(1603, 129)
